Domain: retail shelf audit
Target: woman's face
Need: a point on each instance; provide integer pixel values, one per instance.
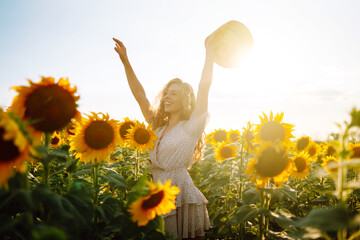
(172, 99)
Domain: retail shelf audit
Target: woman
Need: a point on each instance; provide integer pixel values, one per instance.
(179, 121)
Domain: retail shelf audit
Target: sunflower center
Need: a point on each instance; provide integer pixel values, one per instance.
(312, 151)
(302, 144)
(331, 151)
(300, 164)
(271, 162)
(356, 153)
(50, 108)
(153, 201)
(124, 129)
(234, 137)
(8, 149)
(226, 152)
(220, 136)
(55, 140)
(272, 131)
(99, 134)
(249, 136)
(70, 129)
(141, 136)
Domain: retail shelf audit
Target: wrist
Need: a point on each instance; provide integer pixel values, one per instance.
(124, 60)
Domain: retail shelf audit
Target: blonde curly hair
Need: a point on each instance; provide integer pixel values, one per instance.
(160, 117)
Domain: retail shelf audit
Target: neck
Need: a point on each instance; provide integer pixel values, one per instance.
(174, 119)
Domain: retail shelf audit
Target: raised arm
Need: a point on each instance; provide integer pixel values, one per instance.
(201, 105)
(134, 84)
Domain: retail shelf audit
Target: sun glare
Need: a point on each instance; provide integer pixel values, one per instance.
(265, 80)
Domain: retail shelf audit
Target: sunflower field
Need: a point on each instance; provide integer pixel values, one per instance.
(70, 175)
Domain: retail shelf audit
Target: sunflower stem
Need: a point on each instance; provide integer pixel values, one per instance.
(69, 177)
(242, 230)
(262, 216)
(28, 215)
(95, 171)
(46, 159)
(241, 170)
(341, 173)
(341, 234)
(325, 236)
(354, 235)
(241, 225)
(226, 186)
(267, 202)
(136, 164)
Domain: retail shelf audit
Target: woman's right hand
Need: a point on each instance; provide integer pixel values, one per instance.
(120, 49)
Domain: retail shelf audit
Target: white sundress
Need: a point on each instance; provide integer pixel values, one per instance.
(170, 159)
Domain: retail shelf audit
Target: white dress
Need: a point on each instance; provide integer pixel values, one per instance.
(170, 159)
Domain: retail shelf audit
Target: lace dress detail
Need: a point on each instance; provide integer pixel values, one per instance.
(170, 159)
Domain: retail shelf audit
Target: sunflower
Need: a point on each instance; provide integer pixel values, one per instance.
(160, 200)
(141, 137)
(69, 130)
(330, 164)
(14, 147)
(46, 105)
(249, 136)
(95, 138)
(330, 148)
(302, 143)
(56, 139)
(272, 130)
(224, 151)
(114, 159)
(109, 190)
(354, 148)
(124, 128)
(313, 150)
(208, 138)
(233, 135)
(271, 161)
(218, 136)
(300, 165)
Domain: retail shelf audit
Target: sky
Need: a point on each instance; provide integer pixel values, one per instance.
(305, 60)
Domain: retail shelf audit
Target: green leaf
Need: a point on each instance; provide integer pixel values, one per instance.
(7, 224)
(278, 235)
(17, 200)
(276, 193)
(41, 149)
(355, 118)
(59, 154)
(44, 232)
(284, 218)
(71, 166)
(330, 219)
(247, 213)
(289, 192)
(250, 195)
(82, 172)
(321, 199)
(115, 180)
(208, 157)
(160, 225)
(139, 190)
(24, 198)
(111, 207)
